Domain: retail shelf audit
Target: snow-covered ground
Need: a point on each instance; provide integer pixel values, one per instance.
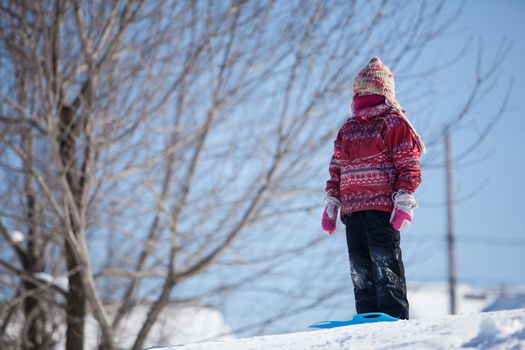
(493, 330)
(429, 300)
(178, 323)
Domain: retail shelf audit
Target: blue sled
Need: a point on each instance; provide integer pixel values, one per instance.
(370, 317)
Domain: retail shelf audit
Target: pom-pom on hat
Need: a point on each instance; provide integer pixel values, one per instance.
(375, 79)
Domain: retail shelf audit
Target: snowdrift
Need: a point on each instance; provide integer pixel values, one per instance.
(491, 330)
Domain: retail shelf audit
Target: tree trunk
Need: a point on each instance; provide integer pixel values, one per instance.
(76, 306)
(76, 297)
(32, 262)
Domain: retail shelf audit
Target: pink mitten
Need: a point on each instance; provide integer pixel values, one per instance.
(330, 214)
(404, 204)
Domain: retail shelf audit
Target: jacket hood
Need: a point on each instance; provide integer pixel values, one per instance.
(377, 79)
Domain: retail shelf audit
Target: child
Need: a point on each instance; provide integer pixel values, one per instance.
(373, 173)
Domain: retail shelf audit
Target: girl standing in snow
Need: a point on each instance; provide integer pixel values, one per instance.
(373, 172)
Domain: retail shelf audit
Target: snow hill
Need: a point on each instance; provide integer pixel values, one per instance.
(431, 300)
(178, 323)
(491, 330)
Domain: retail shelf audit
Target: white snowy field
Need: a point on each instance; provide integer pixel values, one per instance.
(178, 323)
(493, 330)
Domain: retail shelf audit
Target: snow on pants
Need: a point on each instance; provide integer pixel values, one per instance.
(376, 264)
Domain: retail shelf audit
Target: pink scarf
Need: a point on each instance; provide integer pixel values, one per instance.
(368, 106)
(365, 101)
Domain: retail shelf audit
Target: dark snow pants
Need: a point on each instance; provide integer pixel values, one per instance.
(376, 264)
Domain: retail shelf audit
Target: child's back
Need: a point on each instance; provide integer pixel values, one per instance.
(373, 172)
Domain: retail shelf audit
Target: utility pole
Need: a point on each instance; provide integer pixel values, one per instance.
(451, 253)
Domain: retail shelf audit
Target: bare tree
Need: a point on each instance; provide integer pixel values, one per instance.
(145, 144)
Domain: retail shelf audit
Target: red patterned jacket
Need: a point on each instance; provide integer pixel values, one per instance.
(375, 154)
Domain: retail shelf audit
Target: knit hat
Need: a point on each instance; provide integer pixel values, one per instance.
(376, 79)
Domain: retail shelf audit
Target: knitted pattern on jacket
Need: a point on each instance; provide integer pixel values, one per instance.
(375, 154)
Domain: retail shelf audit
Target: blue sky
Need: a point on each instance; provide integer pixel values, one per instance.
(489, 226)
(491, 238)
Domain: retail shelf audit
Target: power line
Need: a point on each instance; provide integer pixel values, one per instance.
(469, 239)
(466, 279)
